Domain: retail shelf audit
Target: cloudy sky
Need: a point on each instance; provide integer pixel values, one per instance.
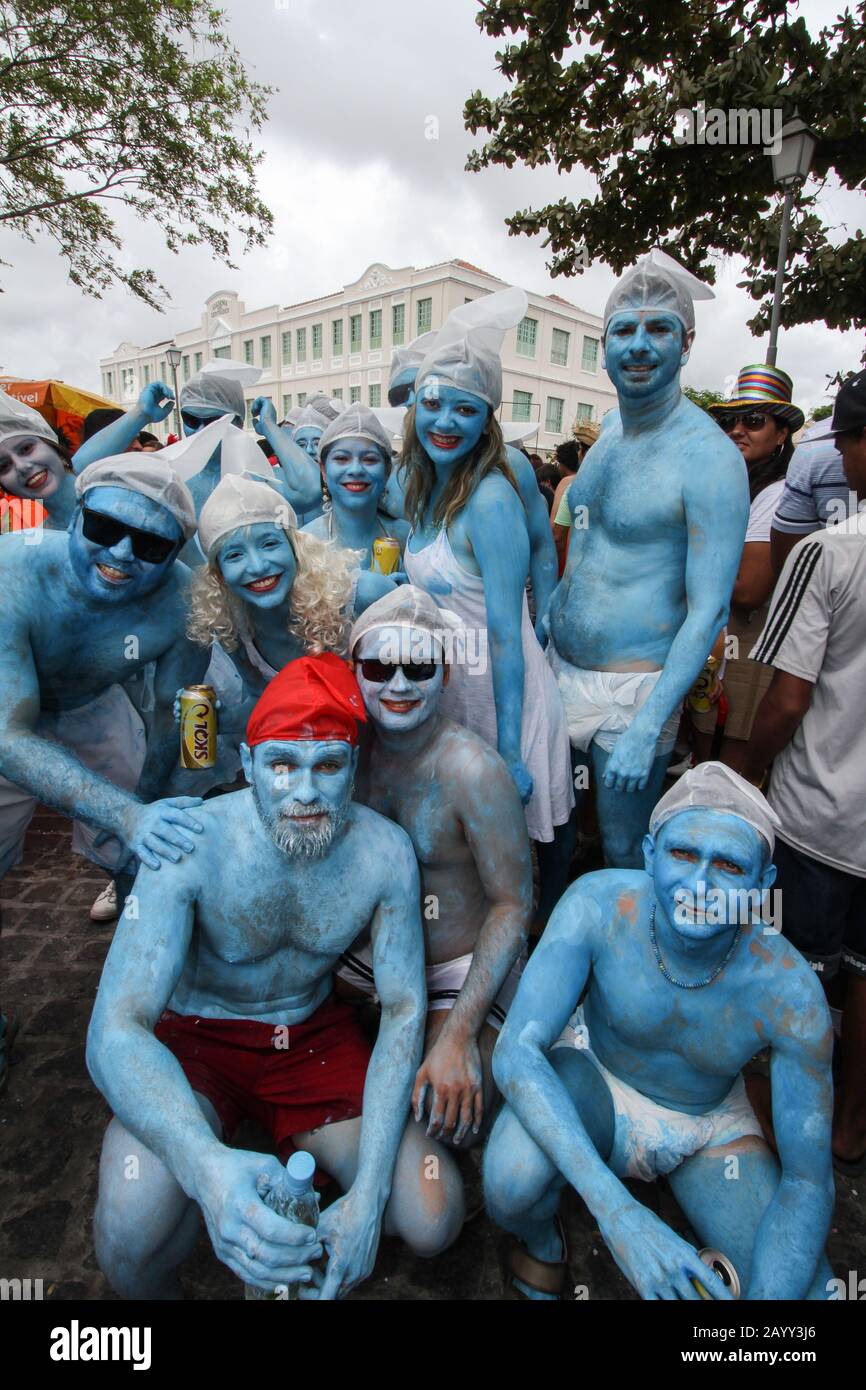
(351, 178)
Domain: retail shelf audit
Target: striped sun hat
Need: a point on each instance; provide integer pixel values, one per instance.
(763, 386)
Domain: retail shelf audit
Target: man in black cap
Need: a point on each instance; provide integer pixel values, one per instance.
(810, 726)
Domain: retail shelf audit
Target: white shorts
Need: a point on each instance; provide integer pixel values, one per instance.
(650, 1139)
(600, 705)
(444, 981)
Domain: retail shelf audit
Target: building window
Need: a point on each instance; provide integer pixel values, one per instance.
(265, 347)
(589, 360)
(146, 370)
(354, 395)
(521, 406)
(302, 345)
(127, 381)
(108, 384)
(559, 348)
(553, 418)
(316, 341)
(197, 361)
(287, 402)
(184, 366)
(249, 355)
(286, 342)
(375, 328)
(221, 352)
(337, 393)
(355, 331)
(302, 398)
(425, 315)
(163, 371)
(337, 337)
(584, 413)
(249, 414)
(398, 325)
(527, 332)
(375, 396)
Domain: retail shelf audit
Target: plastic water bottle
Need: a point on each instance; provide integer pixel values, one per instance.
(298, 1200)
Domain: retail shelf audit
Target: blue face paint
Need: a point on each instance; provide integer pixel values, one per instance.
(643, 351)
(400, 702)
(307, 438)
(302, 791)
(702, 862)
(355, 473)
(449, 422)
(30, 467)
(258, 565)
(113, 573)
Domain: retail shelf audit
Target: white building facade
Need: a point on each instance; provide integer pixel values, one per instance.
(341, 344)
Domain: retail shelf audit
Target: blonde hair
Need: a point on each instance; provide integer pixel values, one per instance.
(319, 609)
(487, 457)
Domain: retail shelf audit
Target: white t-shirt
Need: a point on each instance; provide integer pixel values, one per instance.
(762, 511)
(816, 629)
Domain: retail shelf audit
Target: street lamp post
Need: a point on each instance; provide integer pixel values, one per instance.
(173, 356)
(790, 167)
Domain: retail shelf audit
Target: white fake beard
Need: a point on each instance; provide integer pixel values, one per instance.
(302, 842)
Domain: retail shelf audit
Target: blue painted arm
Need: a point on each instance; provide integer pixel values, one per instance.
(297, 470)
(149, 1093)
(497, 532)
(790, 1239)
(350, 1228)
(543, 568)
(716, 505)
(184, 663)
(117, 437)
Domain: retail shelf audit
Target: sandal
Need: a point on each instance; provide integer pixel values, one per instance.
(544, 1276)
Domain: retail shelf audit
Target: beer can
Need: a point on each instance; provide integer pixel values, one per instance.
(386, 554)
(198, 743)
(700, 697)
(722, 1268)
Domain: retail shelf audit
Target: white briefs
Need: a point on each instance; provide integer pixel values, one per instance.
(444, 981)
(600, 705)
(650, 1139)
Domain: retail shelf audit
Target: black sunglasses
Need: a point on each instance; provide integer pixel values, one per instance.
(752, 419)
(399, 395)
(380, 672)
(194, 421)
(105, 530)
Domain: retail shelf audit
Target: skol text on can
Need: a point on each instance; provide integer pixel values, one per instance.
(198, 726)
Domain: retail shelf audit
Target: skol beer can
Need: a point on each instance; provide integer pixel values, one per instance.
(722, 1269)
(198, 745)
(705, 688)
(386, 554)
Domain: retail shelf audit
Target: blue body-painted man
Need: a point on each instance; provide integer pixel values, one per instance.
(683, 982)
(84, 612)
(355, 458)
(659, 508)
(33, 466)
(453, 796)
(242, 963)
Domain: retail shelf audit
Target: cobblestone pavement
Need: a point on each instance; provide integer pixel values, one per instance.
(52, 1120)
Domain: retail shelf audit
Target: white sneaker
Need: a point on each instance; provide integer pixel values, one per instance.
(684, 765)
(104, 908)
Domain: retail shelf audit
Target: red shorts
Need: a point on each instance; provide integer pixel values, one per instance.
(287, 1080)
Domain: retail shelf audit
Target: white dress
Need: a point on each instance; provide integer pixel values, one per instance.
(468, 696)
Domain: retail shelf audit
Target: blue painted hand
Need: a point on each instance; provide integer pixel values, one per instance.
(156, 401)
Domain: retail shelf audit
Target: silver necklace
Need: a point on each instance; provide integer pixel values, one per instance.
(684, 984)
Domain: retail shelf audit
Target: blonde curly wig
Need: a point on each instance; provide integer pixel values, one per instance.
(319, 614)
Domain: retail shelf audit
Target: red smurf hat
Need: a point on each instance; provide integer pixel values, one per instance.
(315, 697)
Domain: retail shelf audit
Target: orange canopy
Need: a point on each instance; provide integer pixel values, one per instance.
(63, 406)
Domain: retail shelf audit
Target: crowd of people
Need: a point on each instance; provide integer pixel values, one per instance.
(363, 925)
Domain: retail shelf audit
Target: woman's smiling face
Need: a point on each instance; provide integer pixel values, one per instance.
(30, 466)
(448, 422)
(258, 564)
(356, 473)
